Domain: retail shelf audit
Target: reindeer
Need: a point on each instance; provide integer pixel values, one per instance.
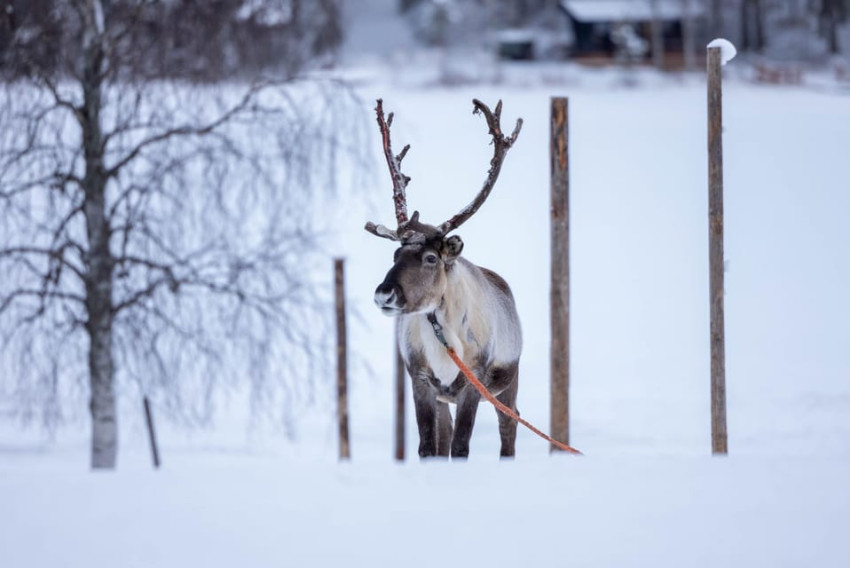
(440, 297)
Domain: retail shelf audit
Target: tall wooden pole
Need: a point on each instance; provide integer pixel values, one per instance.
(341, 360)
(715, 252)
(560, 276)
(399, 400)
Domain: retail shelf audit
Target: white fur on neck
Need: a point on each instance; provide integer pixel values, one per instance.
(477, 319)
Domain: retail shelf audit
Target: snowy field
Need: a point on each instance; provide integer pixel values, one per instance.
(647, 492)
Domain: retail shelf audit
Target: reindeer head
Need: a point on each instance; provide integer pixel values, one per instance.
(418, 278)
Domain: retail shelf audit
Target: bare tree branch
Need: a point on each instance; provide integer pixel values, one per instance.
(42, 295)
(56, 254)
(60, 100)
(188, 129)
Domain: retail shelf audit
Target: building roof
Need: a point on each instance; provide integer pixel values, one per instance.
(630, 10)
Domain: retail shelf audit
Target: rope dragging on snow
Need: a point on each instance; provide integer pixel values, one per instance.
(479, 386)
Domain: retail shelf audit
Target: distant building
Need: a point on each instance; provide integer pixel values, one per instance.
(598, 26)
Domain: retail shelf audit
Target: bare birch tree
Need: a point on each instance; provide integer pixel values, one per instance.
(155, 234)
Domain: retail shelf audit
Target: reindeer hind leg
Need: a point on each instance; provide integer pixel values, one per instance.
(507, 425)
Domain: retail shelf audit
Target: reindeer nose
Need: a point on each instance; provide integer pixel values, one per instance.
(388, 297)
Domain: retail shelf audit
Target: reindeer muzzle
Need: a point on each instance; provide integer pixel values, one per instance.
(390, 299)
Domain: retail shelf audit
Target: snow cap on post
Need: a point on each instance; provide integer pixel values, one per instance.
(727, 49)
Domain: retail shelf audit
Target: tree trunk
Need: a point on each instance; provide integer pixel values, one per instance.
(688, 35)
(715, 20)
(104, 446)
(99, 307)
(829, 18)
(759, 25)
(100, 263)
(657, 33)
(752, 26)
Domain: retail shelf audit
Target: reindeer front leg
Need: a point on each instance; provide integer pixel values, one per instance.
(467, 407)
(425, 405)
(432, 417)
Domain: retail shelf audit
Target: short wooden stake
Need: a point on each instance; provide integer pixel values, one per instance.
(719, 444)
(341, 360)
(151, 432)
(560, 277)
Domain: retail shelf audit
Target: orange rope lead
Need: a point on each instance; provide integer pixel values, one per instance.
(501, 407)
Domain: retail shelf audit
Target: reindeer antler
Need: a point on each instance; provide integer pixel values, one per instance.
(409, 228)
(400, 180)
(501, 145)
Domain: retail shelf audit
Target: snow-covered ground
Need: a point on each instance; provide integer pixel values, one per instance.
(594, 511)
(647, 492)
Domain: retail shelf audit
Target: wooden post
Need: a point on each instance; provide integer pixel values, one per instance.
(341, 360)
(715, 252)
(399, 400)
(560, 276)
(151, 432)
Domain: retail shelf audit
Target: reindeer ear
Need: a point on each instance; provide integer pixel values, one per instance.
(452, 247)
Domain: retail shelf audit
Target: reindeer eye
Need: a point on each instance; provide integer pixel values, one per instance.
(430, 258)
